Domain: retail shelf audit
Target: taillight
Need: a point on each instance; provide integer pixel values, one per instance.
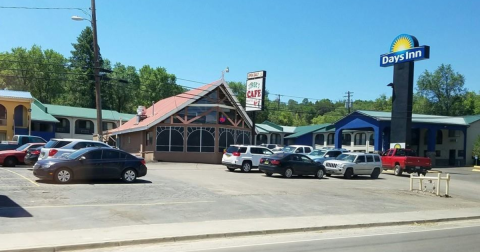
(35, 152)
(262, 160)
(52, 152)
(236, 154)
(275, 162)
(143, 161)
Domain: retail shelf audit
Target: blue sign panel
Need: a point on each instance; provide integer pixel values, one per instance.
(413, 54)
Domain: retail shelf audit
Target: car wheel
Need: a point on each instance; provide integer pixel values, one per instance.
(10, 162)
(246, 166)
(231, 169)
(288, 173)
(63, 176)
(129, 175)
(320, 173)
(398, 170)
(375, 174)
(348, 173)
(268, 174)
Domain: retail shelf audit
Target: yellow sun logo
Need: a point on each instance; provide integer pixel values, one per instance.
(402, 42)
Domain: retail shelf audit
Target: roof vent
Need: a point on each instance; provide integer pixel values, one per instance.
(141, 113)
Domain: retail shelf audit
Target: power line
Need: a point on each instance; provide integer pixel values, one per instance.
(44, 8)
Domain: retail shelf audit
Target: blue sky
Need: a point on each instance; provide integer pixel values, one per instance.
(309, 48)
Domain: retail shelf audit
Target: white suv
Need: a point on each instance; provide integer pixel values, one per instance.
(352, 164)
(244, 157)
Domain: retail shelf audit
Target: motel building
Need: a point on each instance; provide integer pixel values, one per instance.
(448, 141)
(195, 126)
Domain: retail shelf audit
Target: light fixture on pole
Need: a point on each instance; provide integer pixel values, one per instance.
(96, 68)
(226, 70)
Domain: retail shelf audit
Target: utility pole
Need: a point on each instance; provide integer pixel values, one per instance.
(348, 103)
(278, 102)
(96, 70)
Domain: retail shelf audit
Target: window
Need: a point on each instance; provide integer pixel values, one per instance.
(96, 154)
(110, 154)
(200, 139)
(3, 113)
(361, 159)
(400, 153)
(308, 150)
(319, 139)
(56, 144)
(275, 139)
(299, 150)
(108, 125)
(242, 150)
(149, 140)
(415, 136)
(346, 139)
(438, 153)
(42, 127)
(242, 137)
(360, 139)
(226, 138)
(256, 150)
(439, 138)
(452, 133)
(371, 140)
(369, 158)
(36, 140)
(84, 127)
(261, 139)
(305, 159)
(377, 158)
(331, 139)
(267, 152)
(334, 153)
(170, 139)
(461, 153)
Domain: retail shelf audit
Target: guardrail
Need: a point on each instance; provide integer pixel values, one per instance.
(438, 179)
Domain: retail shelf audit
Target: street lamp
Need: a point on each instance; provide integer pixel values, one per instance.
(96, 69)
(225, 71)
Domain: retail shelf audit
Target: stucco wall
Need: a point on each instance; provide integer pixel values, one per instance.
(472, 134)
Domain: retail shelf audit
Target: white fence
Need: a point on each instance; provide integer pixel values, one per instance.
(438, 179)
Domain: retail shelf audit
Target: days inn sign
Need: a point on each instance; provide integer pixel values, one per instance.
(404, 48)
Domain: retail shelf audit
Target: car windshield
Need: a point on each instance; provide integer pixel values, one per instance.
(288, 149)
(319, 153)
(23, 147)
(77, 154)
(346, 157)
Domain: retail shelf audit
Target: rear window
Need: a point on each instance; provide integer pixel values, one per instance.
(56, 144)
(369, 158)
(377, 158)
(232, 149)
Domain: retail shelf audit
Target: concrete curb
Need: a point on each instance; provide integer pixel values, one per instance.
(110, 244)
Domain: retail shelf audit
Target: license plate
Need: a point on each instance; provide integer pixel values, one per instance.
(228, 155)
(266, 162)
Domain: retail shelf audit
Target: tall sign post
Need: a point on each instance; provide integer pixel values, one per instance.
(255, 95)
(404, 51)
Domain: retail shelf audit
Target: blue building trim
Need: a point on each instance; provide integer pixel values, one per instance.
(306, 139)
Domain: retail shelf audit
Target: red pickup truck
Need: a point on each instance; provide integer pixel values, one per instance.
(401, 160)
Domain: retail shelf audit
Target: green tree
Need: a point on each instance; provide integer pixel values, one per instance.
(126, 83)
(444, 89)
(239, 89)
(156, 84)
(476, 148)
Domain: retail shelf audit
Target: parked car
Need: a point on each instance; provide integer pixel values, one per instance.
(92, 163)
(32, 155)
(245, 157)
(321, 155)
(301, 149)
(288, 164)
(273, 147)
(20, 140)
(55, 148)
(355, 163)
(11, 158)
(401, 160)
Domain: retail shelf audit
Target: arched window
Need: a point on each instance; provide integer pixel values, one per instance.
(63, 126)
(3, 115)
(320, 139)
(84, 127)
(346, 139)
(20, 116)
(439, 138)
(371, 140)
(261, 139)
(275, 139)
(360, 139)
(331, 139)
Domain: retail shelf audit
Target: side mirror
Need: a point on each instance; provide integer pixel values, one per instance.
(327, 155)
(82, 158)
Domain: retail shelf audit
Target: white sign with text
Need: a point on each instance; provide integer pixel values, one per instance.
(254, 95)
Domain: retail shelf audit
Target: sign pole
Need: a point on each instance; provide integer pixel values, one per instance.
(255, 96)
(253, 128)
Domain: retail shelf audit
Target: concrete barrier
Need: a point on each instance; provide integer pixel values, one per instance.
(438, 179)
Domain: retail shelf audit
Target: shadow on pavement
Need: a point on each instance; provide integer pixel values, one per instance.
(97, 182)
(10, 209)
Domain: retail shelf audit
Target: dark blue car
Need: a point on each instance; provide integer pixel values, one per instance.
(92, 163)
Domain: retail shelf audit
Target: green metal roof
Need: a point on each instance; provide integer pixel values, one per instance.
(289, 129)
(302, 130)
(471, 118)
(416, 118)
(39, 114)
(267, 127)
(59, 110)
(329, 128)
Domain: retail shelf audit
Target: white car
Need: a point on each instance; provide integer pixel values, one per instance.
(352, 164)
(298, 149)
(244, 157)
(55, 148)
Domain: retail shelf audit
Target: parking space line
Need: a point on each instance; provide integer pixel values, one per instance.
(110, 205)
(29, 180)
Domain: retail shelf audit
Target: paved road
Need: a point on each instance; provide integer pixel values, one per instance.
(173, 193)
(461, 236)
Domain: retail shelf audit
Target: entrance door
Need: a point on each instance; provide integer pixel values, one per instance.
(451, 157)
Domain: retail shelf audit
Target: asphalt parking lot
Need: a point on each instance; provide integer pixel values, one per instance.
(177, 192)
